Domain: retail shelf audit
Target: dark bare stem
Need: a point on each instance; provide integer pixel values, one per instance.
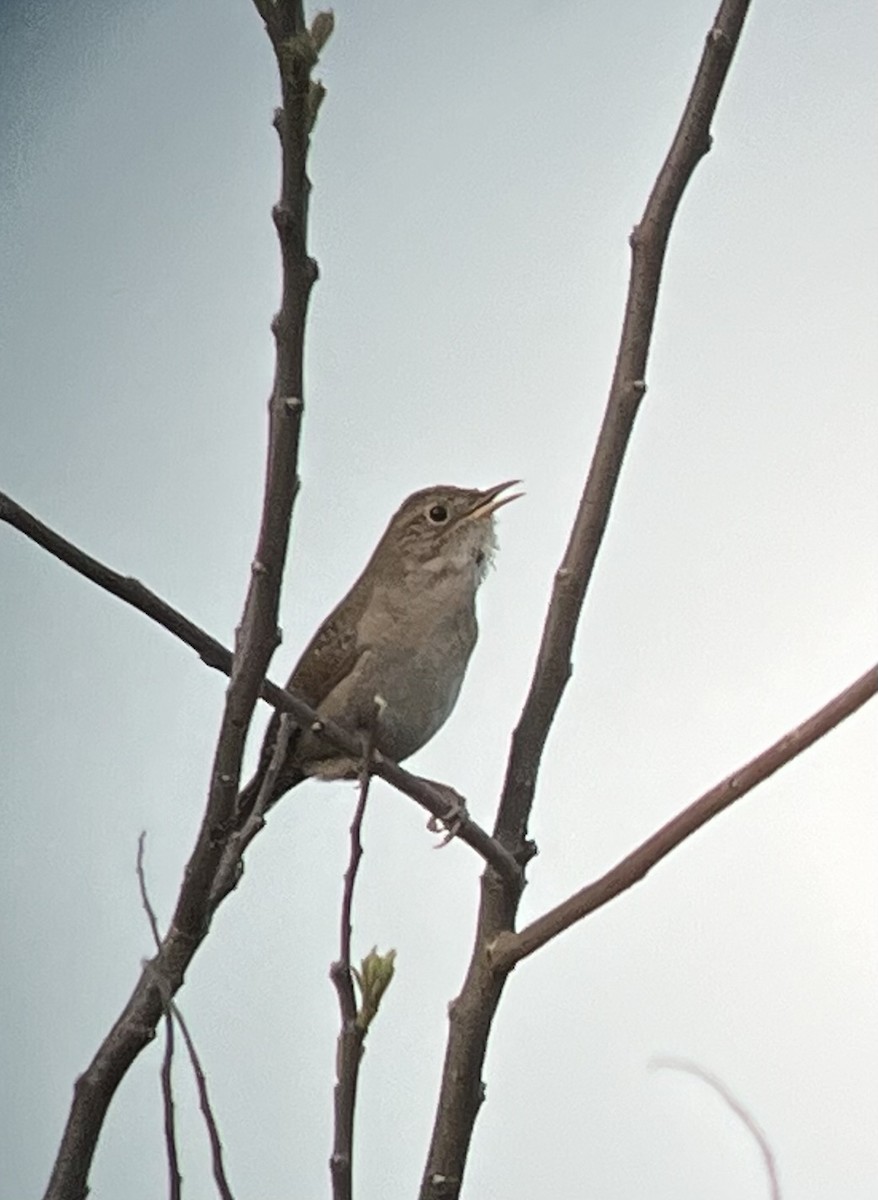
(175, 1179)
(471, 1014)
(129, 590)
(648, 245)
(351, 1035)
(510, 948)
(256, 636)
(743, 1114)
(436, 799)
(174, 1014)
(216, 1145)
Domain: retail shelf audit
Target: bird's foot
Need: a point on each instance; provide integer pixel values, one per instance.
(450, 822)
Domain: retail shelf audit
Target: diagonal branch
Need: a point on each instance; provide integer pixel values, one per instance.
(434, 799)
(511, 948)
(472, 1013)
(131, 591)
(648, 243)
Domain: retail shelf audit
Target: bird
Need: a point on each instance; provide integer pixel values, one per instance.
(388, 662)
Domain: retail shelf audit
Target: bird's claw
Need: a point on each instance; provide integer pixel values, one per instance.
(452, 820)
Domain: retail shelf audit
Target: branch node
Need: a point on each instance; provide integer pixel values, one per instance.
(282, 216)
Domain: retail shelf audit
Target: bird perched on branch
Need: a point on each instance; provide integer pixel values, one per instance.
(388, 662)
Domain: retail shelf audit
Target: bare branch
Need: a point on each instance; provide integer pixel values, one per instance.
(648, 244)
(256, 640)
(436, 799)
(131, 591)
(175, 1179)
(351, 1035)
(681, 1064)
(174, 1014)
(472, 1013)
(510, 948)
(144, 895)
(267, 9)
(216, 1145)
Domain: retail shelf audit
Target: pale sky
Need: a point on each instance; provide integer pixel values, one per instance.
(477, 169)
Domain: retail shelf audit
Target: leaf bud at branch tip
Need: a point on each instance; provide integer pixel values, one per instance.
(373, 979)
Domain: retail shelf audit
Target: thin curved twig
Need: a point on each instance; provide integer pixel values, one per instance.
(742, 1113)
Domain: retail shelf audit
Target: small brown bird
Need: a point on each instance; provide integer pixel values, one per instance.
(389, 660)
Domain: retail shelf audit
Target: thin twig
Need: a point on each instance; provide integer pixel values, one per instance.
(175, 1179)
(172, 1014)
(216, 1145)
(351, 1034)
(436, 799)
(472, 1013)
(144, 895)
(510, 948)
(682, 1064)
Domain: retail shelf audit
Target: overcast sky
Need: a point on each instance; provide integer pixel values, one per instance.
(477, 169)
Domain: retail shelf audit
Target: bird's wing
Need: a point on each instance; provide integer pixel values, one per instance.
(330, 655)
(327, 659)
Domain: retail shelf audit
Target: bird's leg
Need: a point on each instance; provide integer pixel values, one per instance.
(368, 738)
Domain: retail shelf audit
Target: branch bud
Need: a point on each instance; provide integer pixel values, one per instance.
(373, 979)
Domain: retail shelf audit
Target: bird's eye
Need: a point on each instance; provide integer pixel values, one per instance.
(438, 514)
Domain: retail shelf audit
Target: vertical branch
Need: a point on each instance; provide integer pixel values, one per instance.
(175, 1179)
(173, 1014)
(256, 635)
(471, 1014)
(352, 1034)
(216, 1145)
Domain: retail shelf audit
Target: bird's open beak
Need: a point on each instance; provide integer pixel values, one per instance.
(490, 500)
